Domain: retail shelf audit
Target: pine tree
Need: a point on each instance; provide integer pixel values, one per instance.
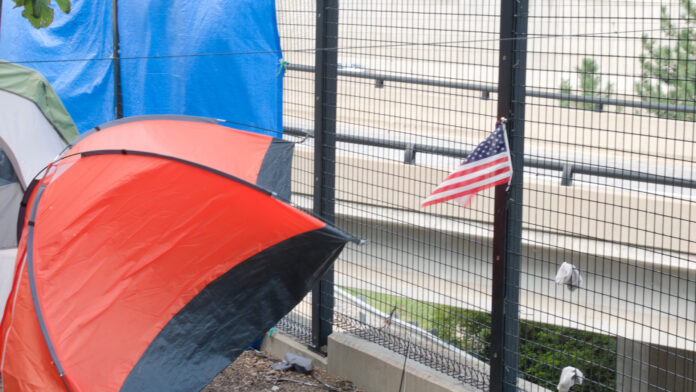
(589, 85)
(669, 71)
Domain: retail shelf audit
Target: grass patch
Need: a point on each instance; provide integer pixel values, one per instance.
(544, 349)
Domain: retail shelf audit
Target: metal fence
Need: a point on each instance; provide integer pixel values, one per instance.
(385, 98)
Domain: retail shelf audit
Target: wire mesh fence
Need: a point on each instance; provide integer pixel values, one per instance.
(604, 143)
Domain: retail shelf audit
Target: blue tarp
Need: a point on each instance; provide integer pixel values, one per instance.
(212, 58)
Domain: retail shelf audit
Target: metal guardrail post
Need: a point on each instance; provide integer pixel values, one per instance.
(325, 78)
(507, 226)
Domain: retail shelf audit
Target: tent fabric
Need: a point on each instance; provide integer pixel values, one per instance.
(218, 61)
(7, 174)
(24, 336)
(31, 85)
(264, 160)
(36, 126)
(35, 130)
(27, 138)
(274, 170)
(139, 270)
(10, 198)
(261, 279)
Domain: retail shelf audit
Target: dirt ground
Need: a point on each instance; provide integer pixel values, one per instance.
(252, 372)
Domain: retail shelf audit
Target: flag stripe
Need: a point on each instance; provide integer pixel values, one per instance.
(465, 189)
(478, 178)
(449, 182)
(467, 164)
(465, 193)
(468, 167)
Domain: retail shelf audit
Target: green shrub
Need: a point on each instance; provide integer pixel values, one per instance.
(467, 329)
(544, 349)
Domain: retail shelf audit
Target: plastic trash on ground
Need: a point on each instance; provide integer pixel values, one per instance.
(294, 362)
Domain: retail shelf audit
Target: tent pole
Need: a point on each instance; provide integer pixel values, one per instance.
(116, 57)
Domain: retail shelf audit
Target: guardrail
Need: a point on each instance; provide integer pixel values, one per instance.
(568, 169)
(485, 90)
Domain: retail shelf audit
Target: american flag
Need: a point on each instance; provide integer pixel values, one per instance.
(487, 166)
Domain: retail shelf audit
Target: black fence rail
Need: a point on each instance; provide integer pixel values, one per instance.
(388, 97)
(568, 168)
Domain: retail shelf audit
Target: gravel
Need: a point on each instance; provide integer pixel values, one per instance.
(252, 372)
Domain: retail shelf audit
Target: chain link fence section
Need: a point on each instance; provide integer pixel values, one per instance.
(607, 185)
(296, 26)
(626, 223)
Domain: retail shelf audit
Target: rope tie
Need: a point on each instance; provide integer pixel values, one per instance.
(283, 67)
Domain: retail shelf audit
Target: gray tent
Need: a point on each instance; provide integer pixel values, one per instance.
(34, 129)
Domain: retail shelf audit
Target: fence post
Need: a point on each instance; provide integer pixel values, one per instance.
(507, 228)
(325, 74)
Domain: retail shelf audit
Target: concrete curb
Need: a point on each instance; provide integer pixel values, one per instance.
(374, 368)
(368, 365)
(280, 343)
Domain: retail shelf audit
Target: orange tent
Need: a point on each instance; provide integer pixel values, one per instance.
(154, 252)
